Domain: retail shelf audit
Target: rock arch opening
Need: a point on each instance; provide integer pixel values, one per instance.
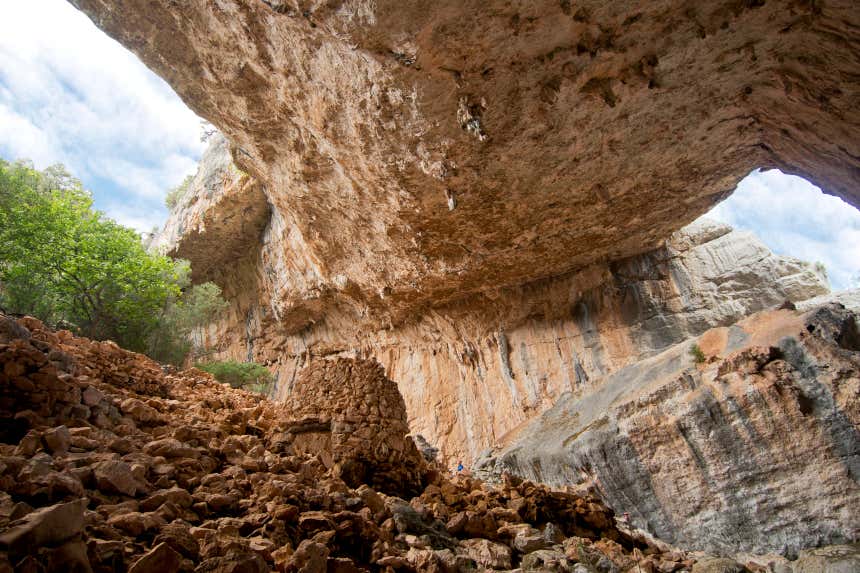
(793, 217)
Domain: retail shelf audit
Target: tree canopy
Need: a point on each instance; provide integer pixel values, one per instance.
(70, 265)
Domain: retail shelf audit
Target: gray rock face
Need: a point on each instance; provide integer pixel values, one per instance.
(214, 173)
(224, 204)
(849, 298)
(755, 450)
(834, 559)
(46, 526)
(707, 275)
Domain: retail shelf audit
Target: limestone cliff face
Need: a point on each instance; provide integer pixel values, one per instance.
(456, 188)
(755, 450)
(414, 152)
(219, 220)
(473, 370)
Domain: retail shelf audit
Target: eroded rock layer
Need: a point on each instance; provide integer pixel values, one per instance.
(755, 449)
(415, 152)
(472, 371)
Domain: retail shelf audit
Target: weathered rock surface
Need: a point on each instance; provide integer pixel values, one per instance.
(218, 220)
(477, 195)
(835, 559)
(349, 413)
(413, 153)
(472, 371)
(757, 449)
(414, 212)
(850, 299)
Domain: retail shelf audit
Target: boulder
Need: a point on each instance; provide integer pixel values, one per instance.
(115, 476)
(488, 553)
(160, 559)
(309, 557)
(45, 526)
(139, 411)
(57, 439)
(832, 559)
(175, 495)
(91, 396)
(718, 565)
(545, 560)
(170, 448)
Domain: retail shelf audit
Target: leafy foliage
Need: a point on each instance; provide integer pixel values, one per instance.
(70, 266)
(697, 354)
(821, 269)
(175, 195)
(197, 306)
(62, 261)
(248, 375)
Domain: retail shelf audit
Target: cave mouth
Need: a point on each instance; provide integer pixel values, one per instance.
(793, 217)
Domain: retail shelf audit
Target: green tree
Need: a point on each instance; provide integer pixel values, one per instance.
(69, 265)
(197, 306)
(65, 262)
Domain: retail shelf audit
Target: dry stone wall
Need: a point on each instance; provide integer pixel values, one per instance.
(349, 412)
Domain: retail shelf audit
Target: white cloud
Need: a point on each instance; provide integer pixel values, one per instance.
(793, 217)
(136, 216)
(70, 94)
(25, 139)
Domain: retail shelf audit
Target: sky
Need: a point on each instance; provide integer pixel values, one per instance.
(70, 94)
(793, 217)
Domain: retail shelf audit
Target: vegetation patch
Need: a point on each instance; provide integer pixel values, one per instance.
(248, 375)
(72, 267)
(174, 196)
(697, 354)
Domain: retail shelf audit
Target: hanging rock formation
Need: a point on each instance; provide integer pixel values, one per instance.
(413, 154)
(474, 370)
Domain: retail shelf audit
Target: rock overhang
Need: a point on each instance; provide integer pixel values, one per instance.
(415, 154)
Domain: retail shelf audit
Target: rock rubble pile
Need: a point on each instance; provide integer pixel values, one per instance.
(110, 463)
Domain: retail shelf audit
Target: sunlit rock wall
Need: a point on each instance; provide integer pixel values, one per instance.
(755, 450)
(473, 370)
